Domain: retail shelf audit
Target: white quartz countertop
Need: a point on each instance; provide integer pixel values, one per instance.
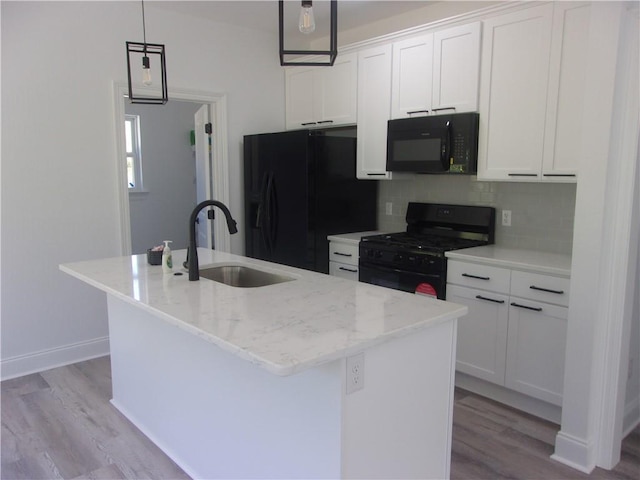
(351, 238)
(284, 328)
(528, 260)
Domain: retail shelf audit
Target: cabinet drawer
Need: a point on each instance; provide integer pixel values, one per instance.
(543, 288)
(343, 270)
(343, 253)
(473, 275)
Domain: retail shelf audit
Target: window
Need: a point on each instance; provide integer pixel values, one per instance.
(133, 152)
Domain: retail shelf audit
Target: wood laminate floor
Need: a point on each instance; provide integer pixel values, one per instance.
(60, 424)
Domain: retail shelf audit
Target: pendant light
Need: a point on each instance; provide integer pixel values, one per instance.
(142, 56)
(306, 25)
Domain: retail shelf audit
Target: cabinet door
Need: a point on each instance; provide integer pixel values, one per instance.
(568, 71)
(337, 95)
(513, 94)
(374, 97)
(299, 100)
(456, 68)
(482, 333)
(412, 82)
(536, 349)
(343, 270)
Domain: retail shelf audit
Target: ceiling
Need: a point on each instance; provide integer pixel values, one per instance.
(262, 15)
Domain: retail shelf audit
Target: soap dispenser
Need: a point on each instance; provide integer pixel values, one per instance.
(167, 261)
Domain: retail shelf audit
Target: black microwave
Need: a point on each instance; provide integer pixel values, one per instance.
(433, 144)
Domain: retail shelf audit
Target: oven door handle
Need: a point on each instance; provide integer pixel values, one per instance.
(380, 268)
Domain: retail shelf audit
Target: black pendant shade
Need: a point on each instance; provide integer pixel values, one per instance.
(326, 57)
(142, 55)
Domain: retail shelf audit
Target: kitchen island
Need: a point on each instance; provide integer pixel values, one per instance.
(316, 377)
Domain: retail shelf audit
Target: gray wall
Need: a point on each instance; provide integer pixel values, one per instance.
(168, 172)
(541, 218)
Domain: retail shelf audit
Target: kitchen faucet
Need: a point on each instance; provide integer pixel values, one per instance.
(192, 252)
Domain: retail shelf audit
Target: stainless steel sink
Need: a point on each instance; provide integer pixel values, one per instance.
(242, 276)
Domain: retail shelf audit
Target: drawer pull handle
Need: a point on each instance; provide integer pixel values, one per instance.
(535, 309)
(468, 275)
(343, 254)
(325, 121)
(417, 111)
(522, 174)
(540, 289)
(480, 297)
(352, 270)
(307, 123)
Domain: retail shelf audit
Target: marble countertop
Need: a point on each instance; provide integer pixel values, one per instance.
(351, 238)
(284, 328)
(528, 260)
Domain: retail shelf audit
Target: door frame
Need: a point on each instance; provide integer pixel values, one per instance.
(219, 171)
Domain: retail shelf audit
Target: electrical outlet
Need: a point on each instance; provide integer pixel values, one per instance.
(389, 208)
(506, 218)
(355, 373)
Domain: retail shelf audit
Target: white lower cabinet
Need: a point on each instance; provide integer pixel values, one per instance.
(536, 339)
(509, 336)
(343, 260)
(482, 334)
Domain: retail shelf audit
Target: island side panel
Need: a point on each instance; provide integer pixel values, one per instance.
(219, 416)
(400, 424)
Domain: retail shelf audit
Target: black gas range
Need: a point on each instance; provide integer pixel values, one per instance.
(414, 260)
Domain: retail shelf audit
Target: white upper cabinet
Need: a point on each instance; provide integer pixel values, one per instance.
(322, 96)
(513, 96)
(532, 77)
(436, 72)
(568, 72)
(456, 69)
(412, 82)
(374, 107)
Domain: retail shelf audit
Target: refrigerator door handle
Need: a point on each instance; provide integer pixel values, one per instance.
(260, 209)
(267, 226)
(274, 212)
(262, 215)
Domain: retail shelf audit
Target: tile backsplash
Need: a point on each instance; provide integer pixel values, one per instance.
(541, 213)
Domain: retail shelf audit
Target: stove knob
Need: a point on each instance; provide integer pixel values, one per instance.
(378, 254)
(369, 253)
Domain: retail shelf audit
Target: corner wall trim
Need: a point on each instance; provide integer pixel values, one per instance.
(574, 452)
(21, 365)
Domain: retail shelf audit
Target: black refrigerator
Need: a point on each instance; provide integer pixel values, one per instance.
(301, 186)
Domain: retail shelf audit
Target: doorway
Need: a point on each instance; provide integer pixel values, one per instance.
(217, 175)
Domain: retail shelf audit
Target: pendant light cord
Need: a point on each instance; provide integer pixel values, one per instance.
(144, 30)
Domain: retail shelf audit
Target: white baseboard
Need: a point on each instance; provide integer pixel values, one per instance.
(631, 416)
(574, 452)
(55, 357)
(533, 406)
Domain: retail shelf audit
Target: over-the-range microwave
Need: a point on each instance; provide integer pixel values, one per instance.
(445, 143)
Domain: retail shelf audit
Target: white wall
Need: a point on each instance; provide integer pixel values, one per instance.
(431, 12)
(632, 396)
(168, 174)
(59, 190)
